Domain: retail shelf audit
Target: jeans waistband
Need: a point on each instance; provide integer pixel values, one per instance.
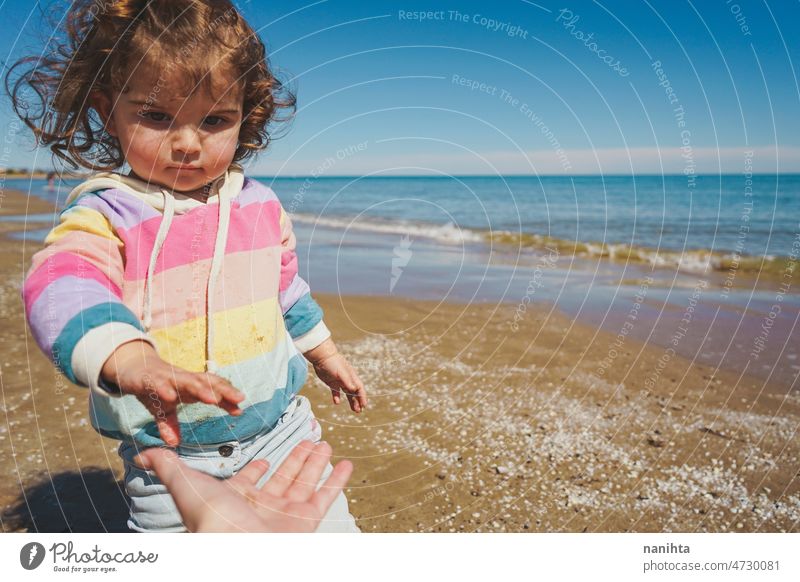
(297, 405)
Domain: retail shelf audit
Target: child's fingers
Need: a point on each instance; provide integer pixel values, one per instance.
(336, 393)
(356, 394)
(168, 427)
(355, 406)
(161, 391)
(210, 389)
(362, 392)
(226, 390)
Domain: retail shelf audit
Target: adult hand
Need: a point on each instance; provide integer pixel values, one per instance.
(288, 502)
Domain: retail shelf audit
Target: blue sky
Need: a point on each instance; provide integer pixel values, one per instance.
(381, 91)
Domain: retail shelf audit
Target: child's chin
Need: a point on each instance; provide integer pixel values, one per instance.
(185, 184)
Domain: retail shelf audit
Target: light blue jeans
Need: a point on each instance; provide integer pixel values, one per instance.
(152, 508)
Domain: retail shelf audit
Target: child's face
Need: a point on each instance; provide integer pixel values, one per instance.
(182, 143)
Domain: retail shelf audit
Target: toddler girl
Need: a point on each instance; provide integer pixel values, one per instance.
(172, 292)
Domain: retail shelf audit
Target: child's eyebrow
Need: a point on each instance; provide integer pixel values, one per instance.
(147, 103)
(154, 105)
(217, 111)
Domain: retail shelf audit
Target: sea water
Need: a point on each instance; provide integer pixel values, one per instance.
(582, 245)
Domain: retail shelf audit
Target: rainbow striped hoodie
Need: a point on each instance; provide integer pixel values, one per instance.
(212, 286)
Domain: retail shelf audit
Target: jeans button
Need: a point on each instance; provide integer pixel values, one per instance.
(226, 450)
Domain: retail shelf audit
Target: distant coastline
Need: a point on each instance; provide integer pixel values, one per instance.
(15, 173)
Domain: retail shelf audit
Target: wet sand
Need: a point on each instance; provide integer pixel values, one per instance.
(472, 426)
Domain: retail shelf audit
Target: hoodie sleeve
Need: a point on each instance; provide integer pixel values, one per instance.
(303, 316)
(73, 298)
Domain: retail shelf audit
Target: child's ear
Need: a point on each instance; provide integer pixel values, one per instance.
(102, 104)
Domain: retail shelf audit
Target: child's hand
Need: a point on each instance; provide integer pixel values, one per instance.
(339, 375)
(136, 368)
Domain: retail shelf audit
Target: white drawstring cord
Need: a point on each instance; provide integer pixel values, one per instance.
(223, 220)
(161, 235)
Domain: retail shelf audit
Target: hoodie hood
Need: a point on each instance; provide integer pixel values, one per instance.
(169, 203)
(229, 185)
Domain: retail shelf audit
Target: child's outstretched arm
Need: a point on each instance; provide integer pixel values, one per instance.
(303, 317)
(73, 304)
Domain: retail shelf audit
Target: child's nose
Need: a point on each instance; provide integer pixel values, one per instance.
(186, 141)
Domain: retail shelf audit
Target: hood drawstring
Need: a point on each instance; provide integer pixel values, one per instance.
(223, 220)
(161, 236)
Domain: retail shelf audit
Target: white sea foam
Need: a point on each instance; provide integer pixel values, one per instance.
(694, 261)
(449, 233)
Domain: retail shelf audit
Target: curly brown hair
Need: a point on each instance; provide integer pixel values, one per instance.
(103, 41)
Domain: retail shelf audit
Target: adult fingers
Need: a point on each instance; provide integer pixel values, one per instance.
(154, 456)
(282, 479)
(324, 497)
(251, 473)
(307, 480)
(183, 483)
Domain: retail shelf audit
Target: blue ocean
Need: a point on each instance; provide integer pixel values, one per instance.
(581, 245)
(754, 215)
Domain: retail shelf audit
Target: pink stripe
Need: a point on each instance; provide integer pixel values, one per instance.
(192, 235)
(59, 265)
(179, 294)
(288, 269)
(101, 252)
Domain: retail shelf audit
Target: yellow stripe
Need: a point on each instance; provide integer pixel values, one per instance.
(84, 219)
(239, 334)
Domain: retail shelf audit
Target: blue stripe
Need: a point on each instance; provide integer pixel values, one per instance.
(81, 324)
(302, 316)
(256, 419)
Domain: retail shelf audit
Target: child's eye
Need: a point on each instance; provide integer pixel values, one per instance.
(155, 116)
(214, 120)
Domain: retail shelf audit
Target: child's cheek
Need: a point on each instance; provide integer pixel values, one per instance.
(147, 146)
(222, 149)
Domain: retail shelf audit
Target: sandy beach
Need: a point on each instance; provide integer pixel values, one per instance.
(474, 425)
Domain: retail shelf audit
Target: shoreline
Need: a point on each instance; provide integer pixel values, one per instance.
(725, 269)
(472, 426)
